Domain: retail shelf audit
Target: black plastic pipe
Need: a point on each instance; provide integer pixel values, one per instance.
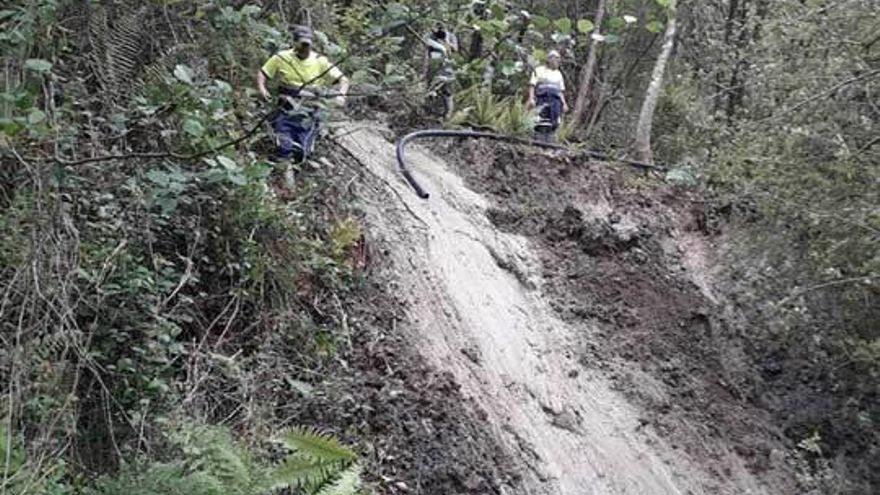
(401, 146)
(420, 191)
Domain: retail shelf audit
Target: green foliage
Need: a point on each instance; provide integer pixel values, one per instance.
(318, 464)
(518, 119)
(789, 149)
(19, 476)
(480, 108)
(344, 237)
(137, 272)
(160, 479)
(211, 452)
(566, 131)
(210, 462)
(585, 26)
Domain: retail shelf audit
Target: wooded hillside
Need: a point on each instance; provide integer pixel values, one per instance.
(165, 311)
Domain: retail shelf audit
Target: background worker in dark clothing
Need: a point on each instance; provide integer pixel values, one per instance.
(437, 69)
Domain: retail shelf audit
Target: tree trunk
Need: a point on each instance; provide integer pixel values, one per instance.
(642, 146)
(583, 96)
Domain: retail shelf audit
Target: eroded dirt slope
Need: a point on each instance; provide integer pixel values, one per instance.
(489, 307)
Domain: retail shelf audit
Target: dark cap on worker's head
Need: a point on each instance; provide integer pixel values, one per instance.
(302, 34)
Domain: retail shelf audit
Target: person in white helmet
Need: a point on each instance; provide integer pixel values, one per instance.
(547, 92)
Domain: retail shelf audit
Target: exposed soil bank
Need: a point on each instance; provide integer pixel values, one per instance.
(528, 302)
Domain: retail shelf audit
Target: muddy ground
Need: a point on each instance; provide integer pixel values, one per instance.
(420, 433)
(627, 264)
(632, 257)
(415, 431)
(573, 308)
(453, 377)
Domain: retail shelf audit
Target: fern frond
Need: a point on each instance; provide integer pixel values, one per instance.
(214, 452)
(226, 460)
(316, 445)
(123, 50)
(303, 473)
(98, 36)
(164, 64)
(116, 50)
(348, 483)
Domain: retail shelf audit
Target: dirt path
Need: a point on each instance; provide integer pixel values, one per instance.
(476, 307)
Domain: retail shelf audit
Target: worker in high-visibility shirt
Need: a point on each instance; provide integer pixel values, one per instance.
(297, 69)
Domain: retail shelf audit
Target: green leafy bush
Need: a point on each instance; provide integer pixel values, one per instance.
(210, 462)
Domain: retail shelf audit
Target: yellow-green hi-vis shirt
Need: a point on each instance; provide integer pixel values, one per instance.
(293, 71)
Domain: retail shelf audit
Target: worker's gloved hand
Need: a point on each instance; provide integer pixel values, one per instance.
(340, 101)
(531, 103)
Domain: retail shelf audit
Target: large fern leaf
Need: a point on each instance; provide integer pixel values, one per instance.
(116, 50)
(224, 459)
(214, 451)
(303, 473)
(348, 483)
(316, 445)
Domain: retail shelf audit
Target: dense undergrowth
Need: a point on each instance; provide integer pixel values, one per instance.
(140, 292)
(143, 296)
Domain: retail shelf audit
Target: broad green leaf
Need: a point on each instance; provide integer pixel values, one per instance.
(487, 27)
(299, 472)
(6, 13)
(307, 390)
(347, 483)
(563, 25)
(654, 26)
(585, 26)
(541, 22)
(666, 3)
(36, 116)
(24, 100)
(227, 163)
(223, 86)
(193, 127)
(539, 54)
(316, 445)
(508, 68)
(167, 204)
(259, 171)
(616, 23)
(38, 65)
(497, 11)
(184, 73)
(158, 177)
(237, 178)
(9, 127)
(250, 10)
(499, 26)
(213, 175)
